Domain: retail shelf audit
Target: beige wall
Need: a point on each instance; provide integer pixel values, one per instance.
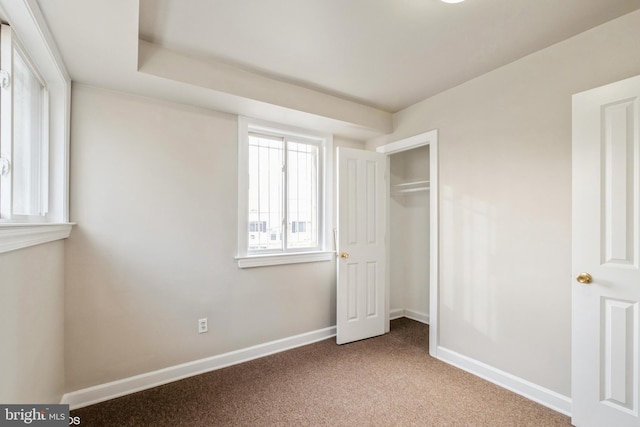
(154, 193)
(32, 324)
(505, 200)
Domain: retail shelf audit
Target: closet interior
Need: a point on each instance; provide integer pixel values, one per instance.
(409, 234)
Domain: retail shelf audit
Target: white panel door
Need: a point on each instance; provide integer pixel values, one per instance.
(362, 225)
(606, 256)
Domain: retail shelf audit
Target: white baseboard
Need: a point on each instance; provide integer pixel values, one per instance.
(410, 314)
(531, 391)
(100, 393)
(416, 315)
(396, 314)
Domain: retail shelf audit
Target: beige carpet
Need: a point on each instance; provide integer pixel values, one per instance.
(384, 381)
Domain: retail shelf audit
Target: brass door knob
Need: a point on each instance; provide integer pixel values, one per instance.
(584, 278)
(344, 255)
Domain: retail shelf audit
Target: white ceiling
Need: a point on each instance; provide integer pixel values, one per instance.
(388, 54)
(341, 66)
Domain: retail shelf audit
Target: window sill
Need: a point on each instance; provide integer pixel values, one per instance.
(280, 259)
(15, 236)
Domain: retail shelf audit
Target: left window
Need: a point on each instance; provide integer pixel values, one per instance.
(35, 91)
(24, 141)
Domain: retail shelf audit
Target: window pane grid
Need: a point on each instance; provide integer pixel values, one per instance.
(28, 106)
(302, 178)
(283, 194)
(266, 192)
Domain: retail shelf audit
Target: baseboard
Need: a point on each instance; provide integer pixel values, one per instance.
(417, 316)
(410, 314)
(396, 314)
(100, 393)
(531, 391)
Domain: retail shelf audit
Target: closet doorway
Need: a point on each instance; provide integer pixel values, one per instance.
(412, 289)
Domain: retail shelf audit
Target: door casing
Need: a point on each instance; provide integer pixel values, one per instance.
(429, 138)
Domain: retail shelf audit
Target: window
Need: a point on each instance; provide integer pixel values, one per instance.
(34, 130)
(284, 194)
(283, 189)
(24, 144)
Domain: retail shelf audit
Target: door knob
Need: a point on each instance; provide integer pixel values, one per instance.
(584, 278)
(344, 255)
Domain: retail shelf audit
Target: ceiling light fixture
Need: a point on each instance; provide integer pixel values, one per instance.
(452, 1)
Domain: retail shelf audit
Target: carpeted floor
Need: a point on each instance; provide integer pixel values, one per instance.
(384, 381)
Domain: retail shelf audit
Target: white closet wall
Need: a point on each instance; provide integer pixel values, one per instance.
(409, 218)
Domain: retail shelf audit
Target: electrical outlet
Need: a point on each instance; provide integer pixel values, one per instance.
(202, 326)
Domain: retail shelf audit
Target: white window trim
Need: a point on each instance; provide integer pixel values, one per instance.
(16, 236)
(29, 25)
(286, 258)
(326, 253)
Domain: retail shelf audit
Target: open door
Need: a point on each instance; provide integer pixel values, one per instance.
(361, 239)
(606, 256)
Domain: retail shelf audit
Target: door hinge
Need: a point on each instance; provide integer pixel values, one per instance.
(5, 166)
(5, 79)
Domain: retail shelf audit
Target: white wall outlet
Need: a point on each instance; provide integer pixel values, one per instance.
(202, 326)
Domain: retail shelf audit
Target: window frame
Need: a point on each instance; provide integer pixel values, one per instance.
(247, 258)
(29, 28)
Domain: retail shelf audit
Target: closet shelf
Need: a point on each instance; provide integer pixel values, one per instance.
(410, 187)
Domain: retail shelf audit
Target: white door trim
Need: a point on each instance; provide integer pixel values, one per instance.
(429, 138)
